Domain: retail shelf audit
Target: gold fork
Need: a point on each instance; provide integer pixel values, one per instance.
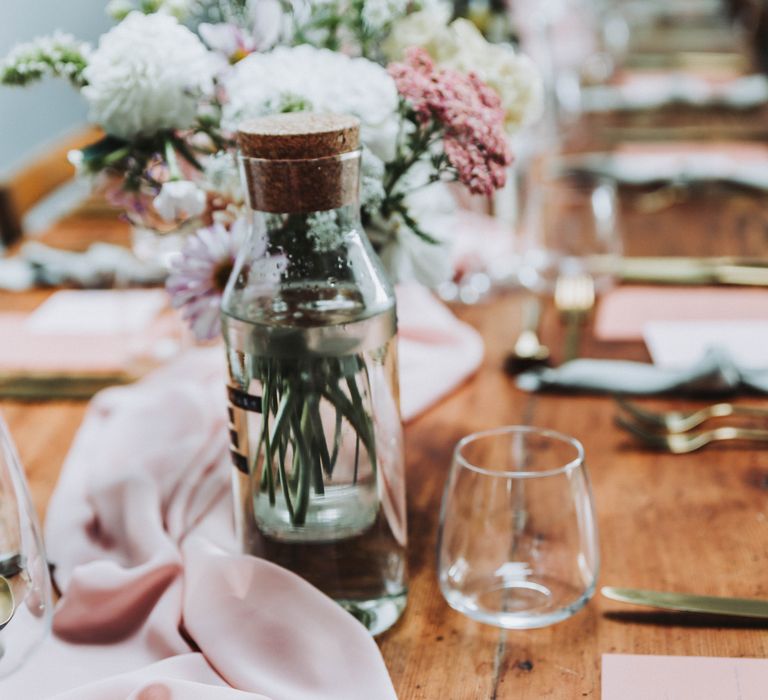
(682, 421)
(682, 443)
(574, 299)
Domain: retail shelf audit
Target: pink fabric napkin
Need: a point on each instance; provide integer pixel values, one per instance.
(436, 352)
(157, 603)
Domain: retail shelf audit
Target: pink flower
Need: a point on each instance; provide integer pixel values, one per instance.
(228, 39)
(468, 112)
(265, 19)
(199, 275)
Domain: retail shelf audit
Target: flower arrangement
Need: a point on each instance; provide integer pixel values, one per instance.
(170, 82)
(150, 85)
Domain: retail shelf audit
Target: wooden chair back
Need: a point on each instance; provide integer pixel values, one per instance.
(36, 179)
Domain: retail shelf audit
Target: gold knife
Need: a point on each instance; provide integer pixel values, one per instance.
(57, 386)
(689, 602)
(674, 270)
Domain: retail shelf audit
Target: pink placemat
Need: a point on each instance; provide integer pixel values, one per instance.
(634, 677)
(90, 333)
(23, 351)
(624, 311)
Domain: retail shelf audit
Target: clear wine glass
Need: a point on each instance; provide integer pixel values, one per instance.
(518, 544)
(25, 584)
(571, 228)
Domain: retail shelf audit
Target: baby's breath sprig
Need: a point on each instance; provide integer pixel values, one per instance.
(59, 55)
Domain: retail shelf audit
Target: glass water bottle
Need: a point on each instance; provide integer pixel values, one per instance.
(310, 325)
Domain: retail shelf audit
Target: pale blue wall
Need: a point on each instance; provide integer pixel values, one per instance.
(31, 117)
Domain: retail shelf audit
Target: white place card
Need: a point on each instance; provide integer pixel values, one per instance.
(680, 344)
(97, 312)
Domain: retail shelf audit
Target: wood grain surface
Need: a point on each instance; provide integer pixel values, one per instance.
(695, 522)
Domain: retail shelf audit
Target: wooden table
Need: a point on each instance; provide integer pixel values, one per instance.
(693, 522)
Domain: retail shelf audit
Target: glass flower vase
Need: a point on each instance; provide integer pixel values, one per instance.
(310, 325)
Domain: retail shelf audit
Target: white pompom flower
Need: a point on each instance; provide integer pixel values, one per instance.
(147, 74)
(318, 80)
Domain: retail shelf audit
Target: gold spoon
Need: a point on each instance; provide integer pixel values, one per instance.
(7, 605)
(528, 351)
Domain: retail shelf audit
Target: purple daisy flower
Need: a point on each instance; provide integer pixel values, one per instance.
(199, 275)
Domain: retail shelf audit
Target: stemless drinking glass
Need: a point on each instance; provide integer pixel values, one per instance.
(25, 585)
(517, 546)
(570, 228)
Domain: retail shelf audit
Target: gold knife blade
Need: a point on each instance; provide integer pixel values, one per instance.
(689, 602)
(675, 270)
(55, 386)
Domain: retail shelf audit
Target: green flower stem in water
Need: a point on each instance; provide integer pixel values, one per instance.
(292, 437)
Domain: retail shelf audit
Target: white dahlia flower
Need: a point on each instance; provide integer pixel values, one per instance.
(319, 80)
(147, 74)
(426, 28)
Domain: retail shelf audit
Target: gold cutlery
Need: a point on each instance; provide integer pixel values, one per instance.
(528, 350)
(681, 270)
(682, 443)
(57, 386)
(683, 421)
(689, 602)
(689, 59)
(574, 299)
(7, 604)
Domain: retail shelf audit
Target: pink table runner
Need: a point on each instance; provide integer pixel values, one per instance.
(157, 605)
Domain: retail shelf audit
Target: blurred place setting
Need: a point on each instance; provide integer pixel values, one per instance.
(383, 348)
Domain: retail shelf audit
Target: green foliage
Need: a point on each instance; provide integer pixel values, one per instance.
(341, 24)
(134, 160)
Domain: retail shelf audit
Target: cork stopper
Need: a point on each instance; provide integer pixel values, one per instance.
(299, 136)
(301, 162)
